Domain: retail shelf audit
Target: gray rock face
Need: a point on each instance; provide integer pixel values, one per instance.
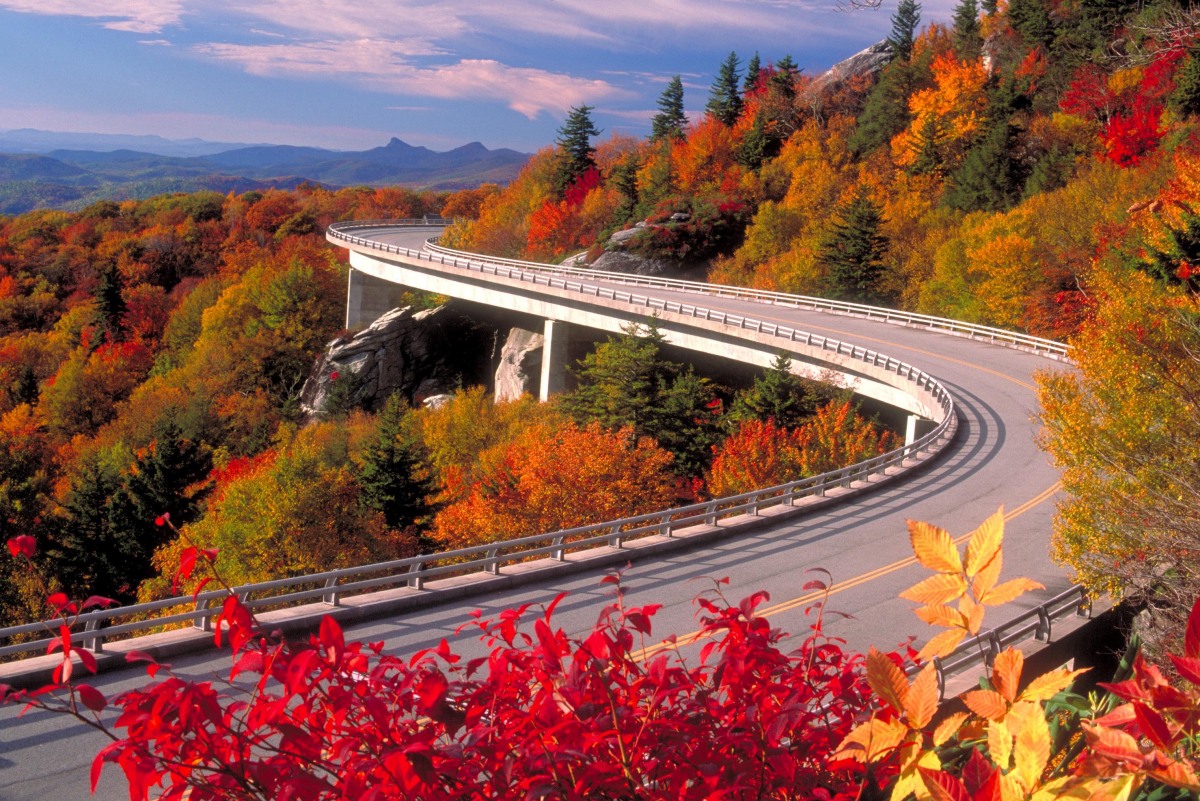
(622, 261)
(419, 354)
(864, 62)
(520, 365)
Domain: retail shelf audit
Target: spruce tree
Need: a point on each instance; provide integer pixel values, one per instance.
(110, 302)
(853, 251)
(753, 71)
(393, 479)
(885, 111)
(780, 395)
(670, 123)
(724, 99)
(989, 179)
(783, 80)
(904, 28)
(575, 152)
(1186, 97)
(1031, 19)
(968, 39)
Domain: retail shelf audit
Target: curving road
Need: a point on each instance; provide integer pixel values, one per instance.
(994, 462)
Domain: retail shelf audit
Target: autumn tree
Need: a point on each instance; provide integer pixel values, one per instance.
(575, 154)
(724, 98)
(670, 123)
(854, 250)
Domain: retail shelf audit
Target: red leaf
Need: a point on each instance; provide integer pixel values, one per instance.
(1188, 667)
(1191, 637)
(98, 600)
(92, 698)
(200, 587)
(87, 658)
(332, 639)
(943, 786)
(24, 545)
(58, 600)
(1153, 726)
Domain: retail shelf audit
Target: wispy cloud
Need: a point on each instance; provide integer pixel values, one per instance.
(135, 16)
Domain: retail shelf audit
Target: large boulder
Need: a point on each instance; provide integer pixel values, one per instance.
(520, 366)
(418, 354)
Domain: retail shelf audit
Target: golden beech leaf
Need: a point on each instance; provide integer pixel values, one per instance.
(1000, 744)
(909, 781)
(939, 589)
(1066, 788)
(871, 740)
(1011, 789)
(972, 613)
(984, 544)
(941, 615)
(1048, 685)
(988, 704)
(934, 547)
(1032, 750)
(1009, 591)
(988, 575)
(922, 702)
(1176, 774)
(1006, 673)
(942, 644)
(887, 680)
(948, 728)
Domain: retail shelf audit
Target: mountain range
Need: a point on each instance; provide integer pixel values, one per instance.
(41, 169)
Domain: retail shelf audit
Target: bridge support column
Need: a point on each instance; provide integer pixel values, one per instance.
(554, 358)
(368, 298)
(917, 427)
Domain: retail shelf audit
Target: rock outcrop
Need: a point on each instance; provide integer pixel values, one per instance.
(419, 354)
(863, 63)
(520, 366)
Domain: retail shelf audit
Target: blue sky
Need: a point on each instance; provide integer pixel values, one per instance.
(350, 75)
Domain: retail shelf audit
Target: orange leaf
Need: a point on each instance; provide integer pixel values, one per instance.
(988, 575)
(886, 679)
(871, 740)
(1047, 685)
(985, 542)
(972, 613)
(1009, 591)
(943, 786)
(942, 644)
(1176, 774)
(987, 704)
(939, 589)
(934, 547)
(948, 727)
(922, 701)
(1032, 750)
(1006, 673)
(1113, 744)
(941, 615)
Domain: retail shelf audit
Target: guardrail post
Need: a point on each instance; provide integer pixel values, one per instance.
(819, 487)
(94, 643)
(710, 513)
(940, 672)
(493, 565)
(1043, 630)
(614, 536)
(416, 580)
(205, 622)
(664, 528)
(561, 553)
(332, 598)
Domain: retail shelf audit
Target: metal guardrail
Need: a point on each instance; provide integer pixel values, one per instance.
(984, 647)
(330, 587)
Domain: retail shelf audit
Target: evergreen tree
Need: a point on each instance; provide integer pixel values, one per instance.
(854, 249)
(904, 28)
(780, 395)
(885, 111)
(754, 147)
(990, 7)
(968, 39)
(928, 147)
(670, 122)
(1031, 19)
(626, 382)
(110, 303)
(1186, 97)
(575, 152)
(624, 179)
(724, 99)
(989, 179)
(753, 71)
(783, 80)
(393, 478)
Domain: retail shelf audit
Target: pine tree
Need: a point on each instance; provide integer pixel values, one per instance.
(783, 80)
(724, 99)
(989, 178)
(968, 39)
(854, 250)
(670, 123)
(393, 478)
(928, 146)
(754, 147)
(110, 302)
(885, 111)
(575, 152)
(1186, 97)
(904, 28)
(753, 71)
(1031, 19)
(780, 395)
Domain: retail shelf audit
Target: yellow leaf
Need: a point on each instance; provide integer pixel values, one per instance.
(871, 740)
(922, 701)
(909, 782)
(1032, 750)
(886, 679)
(988, 575)
(1009, 591)
(972, 613)
(1066, 788)
(934, 547)
(1000, 744)
(941, 615)
(1011, 789)
(1006, 673)
(942, 644)
(948, 727)
(988, 704)
(985, 542)
(939, 589)
(1047, 685)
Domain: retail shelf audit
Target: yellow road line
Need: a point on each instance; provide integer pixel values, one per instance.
(857, 581)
